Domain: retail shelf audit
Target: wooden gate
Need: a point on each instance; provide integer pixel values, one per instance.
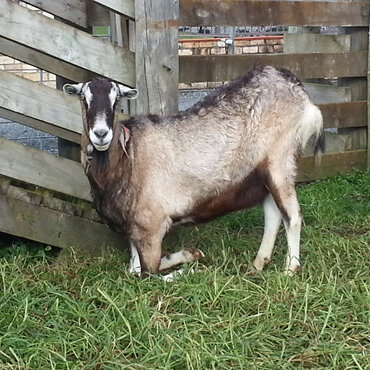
(46, 198)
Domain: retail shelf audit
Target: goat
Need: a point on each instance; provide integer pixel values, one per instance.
(235, 149)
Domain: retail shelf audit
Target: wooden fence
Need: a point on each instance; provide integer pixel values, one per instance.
(36, 188)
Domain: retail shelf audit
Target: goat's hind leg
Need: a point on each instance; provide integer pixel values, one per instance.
(272, 216)
(293, 232)
(286, 200)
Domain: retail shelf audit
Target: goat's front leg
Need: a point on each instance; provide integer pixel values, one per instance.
(146, 244)
(149, 250)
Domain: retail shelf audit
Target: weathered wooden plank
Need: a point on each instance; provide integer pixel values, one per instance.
(125, 8)
(331, 165)
(24, 195)
(341, 115)
(316, 65)
(41, 103)
(157, 56)
(40, 125)
(4, 185)
(55, 228)
(31, 165)
(66, 43)
(50, 201)
(272, 13)
(359, 37)
(322, 93)
(71, 11)
(368, 104)
(354, 39)
(306, 43)
(43, 61)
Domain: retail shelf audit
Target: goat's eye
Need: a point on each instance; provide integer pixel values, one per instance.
(82, 97)
(118, 98)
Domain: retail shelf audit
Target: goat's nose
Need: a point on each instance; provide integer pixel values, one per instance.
(101, 133)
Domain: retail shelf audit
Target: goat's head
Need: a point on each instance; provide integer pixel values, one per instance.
(99, 100)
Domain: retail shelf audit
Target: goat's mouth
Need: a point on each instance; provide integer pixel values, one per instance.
(101, 148)
(101, 143)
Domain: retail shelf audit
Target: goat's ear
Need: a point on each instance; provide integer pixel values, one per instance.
(73, 89)
(127, 92)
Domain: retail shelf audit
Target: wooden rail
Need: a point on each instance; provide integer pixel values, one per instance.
(66, 43)
(48, 226)
(43, 61)
(331, 165)
(50, 110)
(272, 13)
(74, 12)
(36, 167)
(341, 115)
(227, 67)
(125, 8)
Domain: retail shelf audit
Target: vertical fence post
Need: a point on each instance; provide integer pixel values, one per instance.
(156, 53)
(368, 104)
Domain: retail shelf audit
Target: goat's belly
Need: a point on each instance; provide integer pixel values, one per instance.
(246, 194)
(231, 200)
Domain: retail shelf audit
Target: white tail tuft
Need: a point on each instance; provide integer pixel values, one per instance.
(312, 125)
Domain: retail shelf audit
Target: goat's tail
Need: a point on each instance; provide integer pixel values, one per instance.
(319, 147)
(312, 125)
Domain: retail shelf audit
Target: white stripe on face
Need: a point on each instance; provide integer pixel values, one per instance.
(113, 95)
(100, 122)
(88, 95)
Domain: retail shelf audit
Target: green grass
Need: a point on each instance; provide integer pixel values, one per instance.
(92, 314)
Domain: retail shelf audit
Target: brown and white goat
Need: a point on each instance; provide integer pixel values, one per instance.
(235, 149)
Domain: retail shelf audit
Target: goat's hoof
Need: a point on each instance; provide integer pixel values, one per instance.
(251, 272)
(169, 278)
(194, 254)
(259, 263)
(291, 270)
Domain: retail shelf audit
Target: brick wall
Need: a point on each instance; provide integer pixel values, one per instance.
(243, 45)
(27, 71)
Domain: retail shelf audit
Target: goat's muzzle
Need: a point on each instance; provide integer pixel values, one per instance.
(101, 138)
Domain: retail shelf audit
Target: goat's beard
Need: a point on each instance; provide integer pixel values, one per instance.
(99, 166)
